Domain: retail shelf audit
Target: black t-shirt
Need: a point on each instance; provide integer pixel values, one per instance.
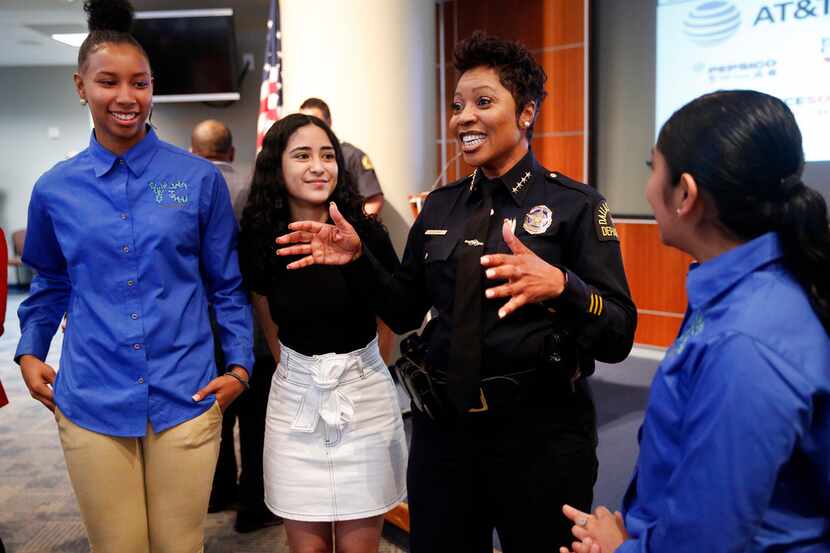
(317, 312)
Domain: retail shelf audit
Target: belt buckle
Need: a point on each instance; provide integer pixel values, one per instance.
(483, 407)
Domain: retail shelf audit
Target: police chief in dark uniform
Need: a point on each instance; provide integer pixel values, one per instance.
(522, 266)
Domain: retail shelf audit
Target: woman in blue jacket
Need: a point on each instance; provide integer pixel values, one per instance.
(735, 446)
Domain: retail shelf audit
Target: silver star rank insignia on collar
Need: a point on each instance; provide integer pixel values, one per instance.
(521, 183)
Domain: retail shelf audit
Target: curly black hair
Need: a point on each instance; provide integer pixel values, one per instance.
(109, 22)
(518, 70)
(266, 214)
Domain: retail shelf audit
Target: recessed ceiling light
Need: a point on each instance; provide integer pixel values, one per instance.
(71, 39)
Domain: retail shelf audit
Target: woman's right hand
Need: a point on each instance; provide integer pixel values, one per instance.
(39, 378)
(320, 243)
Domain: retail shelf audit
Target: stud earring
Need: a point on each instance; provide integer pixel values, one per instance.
(83, 102)
(526, 124)
(677, 211)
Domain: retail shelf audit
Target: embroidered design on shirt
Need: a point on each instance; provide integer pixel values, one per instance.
(435, 232)
(170, 194)
(521, 183)
(604, 223)
(474, 242)
(694, 328)
(367, 163)
(538, 219)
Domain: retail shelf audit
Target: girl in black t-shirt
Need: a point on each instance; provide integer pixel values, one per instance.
(335, 451)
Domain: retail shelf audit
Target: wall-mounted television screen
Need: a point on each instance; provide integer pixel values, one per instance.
(192, 53)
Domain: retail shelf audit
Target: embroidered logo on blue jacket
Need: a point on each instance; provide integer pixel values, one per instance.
(170, 194)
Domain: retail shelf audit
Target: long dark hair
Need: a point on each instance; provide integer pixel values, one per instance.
(109, 22)
(744, 150)
(266, 215)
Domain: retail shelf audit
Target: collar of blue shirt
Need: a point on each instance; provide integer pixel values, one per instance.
(708, 280)
(137, 158)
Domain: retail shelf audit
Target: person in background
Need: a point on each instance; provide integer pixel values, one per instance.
(735, 445)
(4, 296)
(510, 363)
(212, 140)
(133, 238)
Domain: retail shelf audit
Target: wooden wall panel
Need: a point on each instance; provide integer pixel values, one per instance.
(564, 108)
(536, 23)
(656, 330)
(562, 154)
(657, 276)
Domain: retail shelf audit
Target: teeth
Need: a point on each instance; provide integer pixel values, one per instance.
(473, 138)
(124, 116)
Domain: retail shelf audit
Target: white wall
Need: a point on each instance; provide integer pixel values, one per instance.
(373, 62)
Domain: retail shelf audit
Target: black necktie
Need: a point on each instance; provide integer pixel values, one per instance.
(464, 369)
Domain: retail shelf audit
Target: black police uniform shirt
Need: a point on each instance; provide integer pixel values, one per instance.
(566, 223)
(361, 170)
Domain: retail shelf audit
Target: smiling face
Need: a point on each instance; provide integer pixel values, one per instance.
(309, 167)
(484, 122)
(117, 84)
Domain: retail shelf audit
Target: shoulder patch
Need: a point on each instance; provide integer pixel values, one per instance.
(367, 163)
(604, 223)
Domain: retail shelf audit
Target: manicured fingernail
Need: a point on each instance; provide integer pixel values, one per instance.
(196, 397)
(488, 293)
(485, 260)
(502, 313)
(490, 274)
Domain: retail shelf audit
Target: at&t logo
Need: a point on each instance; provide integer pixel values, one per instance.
(712, 22)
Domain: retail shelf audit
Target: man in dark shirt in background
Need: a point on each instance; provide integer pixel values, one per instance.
(212, 140)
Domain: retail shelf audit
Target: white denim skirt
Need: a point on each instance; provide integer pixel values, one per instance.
(334, 440)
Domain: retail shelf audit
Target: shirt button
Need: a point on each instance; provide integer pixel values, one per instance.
(121, 162)
(125, 249)
(141, 381)
(131, 283)
(124, 216)
(134, 316)
(136, 346)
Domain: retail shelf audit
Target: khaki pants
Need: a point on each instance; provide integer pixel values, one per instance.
(143, 495)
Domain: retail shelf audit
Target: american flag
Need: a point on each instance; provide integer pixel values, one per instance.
(270, 94)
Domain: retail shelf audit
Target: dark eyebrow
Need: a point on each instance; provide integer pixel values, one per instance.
(484, 86)
(298, 148)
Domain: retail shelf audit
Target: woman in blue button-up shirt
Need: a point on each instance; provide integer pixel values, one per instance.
(735, 447)
(133, 238)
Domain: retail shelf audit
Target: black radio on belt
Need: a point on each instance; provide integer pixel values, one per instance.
(418, 383)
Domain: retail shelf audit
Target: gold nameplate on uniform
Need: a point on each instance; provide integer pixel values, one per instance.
(538, 219)
(435, 232)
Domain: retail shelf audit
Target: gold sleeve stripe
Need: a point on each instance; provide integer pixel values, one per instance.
(599, 310)
(591, 307)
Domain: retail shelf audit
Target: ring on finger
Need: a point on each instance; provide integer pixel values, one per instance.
(583, 522)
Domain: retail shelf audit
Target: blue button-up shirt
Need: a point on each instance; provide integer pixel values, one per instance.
(735, 446)
(133, 249)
